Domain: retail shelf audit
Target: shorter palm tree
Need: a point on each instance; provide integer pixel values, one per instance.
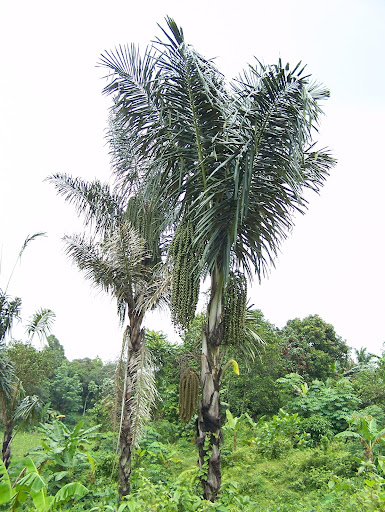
(120, 261)
(14, 407)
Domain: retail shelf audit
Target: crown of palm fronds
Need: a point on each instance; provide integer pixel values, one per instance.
(29, 409)
(119, 266)
(236, 161)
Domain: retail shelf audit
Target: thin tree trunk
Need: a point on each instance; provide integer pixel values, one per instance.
(209, 419)
(7, 440)
(134, 345)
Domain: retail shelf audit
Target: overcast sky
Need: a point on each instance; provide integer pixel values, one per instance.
(53, 118)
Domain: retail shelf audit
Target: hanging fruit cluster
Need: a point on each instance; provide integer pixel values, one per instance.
(188, 394)
(235, 298)
(185, 275)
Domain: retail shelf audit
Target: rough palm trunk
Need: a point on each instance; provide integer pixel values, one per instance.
(134, 345)
(7, 439)
(209, 419)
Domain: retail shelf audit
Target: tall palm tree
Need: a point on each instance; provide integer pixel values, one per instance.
(117, 259)
(232, 162)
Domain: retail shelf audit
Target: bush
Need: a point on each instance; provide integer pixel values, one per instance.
(318, 427)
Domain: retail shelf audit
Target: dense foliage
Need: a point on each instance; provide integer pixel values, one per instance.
(280, 450)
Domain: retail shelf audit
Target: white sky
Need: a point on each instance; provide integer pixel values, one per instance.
(53, 118)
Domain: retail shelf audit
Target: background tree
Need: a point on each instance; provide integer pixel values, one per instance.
(31, 367)
(255, 390)
(92, 373)
(232, 164)
(311, 346)
(14, 405)
(66, 391)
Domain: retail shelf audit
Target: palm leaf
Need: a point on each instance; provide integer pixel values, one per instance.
(145, 393)
(101, 208)
(27, 241)
(9, 312)
(8, 379)
(40, 324)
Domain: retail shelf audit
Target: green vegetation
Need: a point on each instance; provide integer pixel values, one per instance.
(318, 449)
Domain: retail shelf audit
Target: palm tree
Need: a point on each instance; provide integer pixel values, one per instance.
(118, 260)
(12, 407)
(363, 356)
(232, 162)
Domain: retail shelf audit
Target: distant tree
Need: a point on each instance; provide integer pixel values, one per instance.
(91, 373)
(31, 367)
(311, 346)
(363, 356)
(333, 399)
(66, 391)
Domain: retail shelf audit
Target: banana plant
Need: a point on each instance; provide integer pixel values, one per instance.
(65, 449)
(31, 485)
(364, 429)
(232, 425)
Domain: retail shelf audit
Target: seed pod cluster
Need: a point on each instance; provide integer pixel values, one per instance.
(235, 298)
(185, 276)
(188, 394)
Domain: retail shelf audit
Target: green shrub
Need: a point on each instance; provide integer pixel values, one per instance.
(318, 427)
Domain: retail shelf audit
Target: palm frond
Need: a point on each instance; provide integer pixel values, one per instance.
(100, 208)
(9, 312)
(253, 343)
(145, 393)
(8, 379)
(27, 241)
(40, 324)
(157, 290)
(29, 409)
(116, 266)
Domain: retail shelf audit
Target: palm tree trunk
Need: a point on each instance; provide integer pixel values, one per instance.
(134, 345)
(209, 419)
(7, 439)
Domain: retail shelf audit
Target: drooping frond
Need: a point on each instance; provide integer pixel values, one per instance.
(252, 343)
(40, 324)
(8, 379)
(157, 292)
(27, 241)
(9, 312)
(116, 265)
(145, 393)
(28, 409)
(94, 201)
